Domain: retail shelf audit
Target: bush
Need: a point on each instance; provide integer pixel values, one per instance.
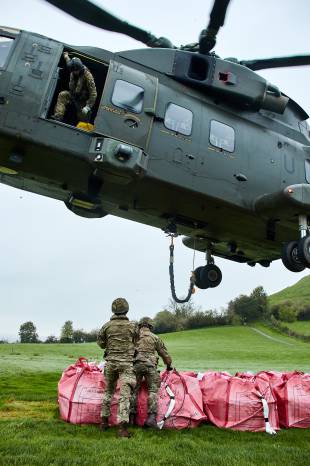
(51, 339)
(277, 325)
(185, 316)
(164, 322)
(287, 312)
(248, 308)
(304, 313)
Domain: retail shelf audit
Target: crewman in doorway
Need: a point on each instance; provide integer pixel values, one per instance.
(82, 91)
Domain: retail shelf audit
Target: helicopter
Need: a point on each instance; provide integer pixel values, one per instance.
(170, 141)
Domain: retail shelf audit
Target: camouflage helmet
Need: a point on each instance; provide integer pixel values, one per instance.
(75, 64)
(146, 322)
(120, 306)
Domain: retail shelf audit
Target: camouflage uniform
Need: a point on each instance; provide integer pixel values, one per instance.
(118, 337)
(82, 92)
(145, 365)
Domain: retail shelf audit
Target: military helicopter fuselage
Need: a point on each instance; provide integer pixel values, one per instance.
(179, 140)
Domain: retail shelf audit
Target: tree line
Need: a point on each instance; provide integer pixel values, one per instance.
(240, 310)
(174, 317)
(28, 334)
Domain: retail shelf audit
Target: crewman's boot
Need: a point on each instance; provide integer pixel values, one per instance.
(57, 117)
(104, 423)
(151, 421)
(123, 431)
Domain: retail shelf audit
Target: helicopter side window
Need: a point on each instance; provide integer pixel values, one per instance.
(128, 96)
(222, 136)
(6, 43)
(178, 119)
(307, 167)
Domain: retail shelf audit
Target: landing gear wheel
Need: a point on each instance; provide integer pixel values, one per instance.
(291, 258)
(304, 250)
(198, 281)
(211, 275)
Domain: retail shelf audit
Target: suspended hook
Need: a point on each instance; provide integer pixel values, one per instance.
(191, 288)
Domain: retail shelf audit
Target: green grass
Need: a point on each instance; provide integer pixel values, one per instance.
(32, 434)
(299, 293)
(299, 326)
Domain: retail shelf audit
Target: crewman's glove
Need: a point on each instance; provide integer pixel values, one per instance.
(169, 368)
(86, 109)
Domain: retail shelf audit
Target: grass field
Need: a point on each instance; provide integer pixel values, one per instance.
(299, 326)
(32, 434)
(299, 293)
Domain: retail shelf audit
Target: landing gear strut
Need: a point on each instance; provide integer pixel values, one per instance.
(296, 254)
(208, 276)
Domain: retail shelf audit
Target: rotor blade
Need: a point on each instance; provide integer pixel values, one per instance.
(207, 38)
(276, 62)
(90, 13)
(218, 13)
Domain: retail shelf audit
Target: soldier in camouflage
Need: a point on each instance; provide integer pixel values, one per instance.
(148, 347)
(82, 91)
(118, 338)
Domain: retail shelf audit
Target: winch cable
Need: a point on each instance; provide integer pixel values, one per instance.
(171, 275)
(194, 254)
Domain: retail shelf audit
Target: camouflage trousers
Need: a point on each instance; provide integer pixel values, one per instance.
(63, 100)
(123, 372)
(152, 378)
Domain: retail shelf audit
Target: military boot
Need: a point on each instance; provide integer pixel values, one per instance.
(123, 431)
(132, 419)
(104, 423)
(151, 421)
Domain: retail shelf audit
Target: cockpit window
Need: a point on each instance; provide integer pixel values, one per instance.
(6, 43)
(222, 136)
(178, 119)
(307, 167)
(128, 96)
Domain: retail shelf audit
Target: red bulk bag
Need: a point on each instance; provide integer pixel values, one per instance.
(293, 399)
(239, 403)
(81, 387)
(80, 392)
(179, 401)
(273, 377)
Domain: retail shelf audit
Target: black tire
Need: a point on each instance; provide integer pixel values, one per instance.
(304, 250)
(198, 281)
(291, 258)
(211, 276)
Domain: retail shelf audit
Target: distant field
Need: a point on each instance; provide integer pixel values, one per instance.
(32, 434)
(299, 293)
(219, 348)
(299, 326)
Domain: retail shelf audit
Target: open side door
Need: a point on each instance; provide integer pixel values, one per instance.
(127, 105)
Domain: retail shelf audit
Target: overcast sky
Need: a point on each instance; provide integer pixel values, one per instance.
(56, 266)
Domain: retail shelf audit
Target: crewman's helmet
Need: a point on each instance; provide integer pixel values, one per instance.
(75, 64)
(146, 322)
(120, 306)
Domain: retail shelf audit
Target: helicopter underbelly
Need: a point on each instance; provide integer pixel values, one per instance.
(235, 234)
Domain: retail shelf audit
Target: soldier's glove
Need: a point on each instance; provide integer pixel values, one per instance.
(169, 368)
(86, 109)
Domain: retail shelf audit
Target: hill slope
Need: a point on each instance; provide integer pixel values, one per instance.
(299, 293)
